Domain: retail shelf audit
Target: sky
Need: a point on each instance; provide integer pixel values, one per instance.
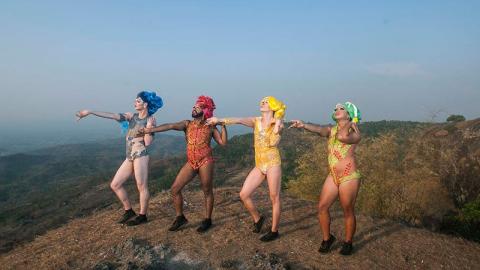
(396, 60)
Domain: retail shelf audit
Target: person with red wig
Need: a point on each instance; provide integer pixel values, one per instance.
(200, 161)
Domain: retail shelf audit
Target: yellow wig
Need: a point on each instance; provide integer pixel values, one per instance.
(277, 106)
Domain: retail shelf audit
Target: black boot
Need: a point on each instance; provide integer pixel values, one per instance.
(140, 219)
(179, 222)
(270, 236)
(326, 245)
(257, 226)
(205, 225)
(126, 216)
(347, 248)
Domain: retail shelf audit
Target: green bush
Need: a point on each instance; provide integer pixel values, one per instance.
(466, 223)
(456, 118)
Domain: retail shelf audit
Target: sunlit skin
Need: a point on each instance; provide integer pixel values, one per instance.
(348, 133)
(187, 173)
(139, 166)
(256, 176)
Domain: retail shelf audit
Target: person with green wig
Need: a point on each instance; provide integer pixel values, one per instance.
(266, 134)
(343, 181)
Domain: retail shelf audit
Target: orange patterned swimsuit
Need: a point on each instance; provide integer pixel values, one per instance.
(340, 167)
(199, 151)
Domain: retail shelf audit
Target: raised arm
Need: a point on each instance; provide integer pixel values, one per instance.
(277, 129)
(148, 138)
(220, 137)
(115, 116)
(248, 121)
(349, 135)
(323, 131)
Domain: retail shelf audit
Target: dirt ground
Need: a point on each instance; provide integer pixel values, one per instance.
(97, 242)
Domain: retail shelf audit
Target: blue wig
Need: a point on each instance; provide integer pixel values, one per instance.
(153, 101)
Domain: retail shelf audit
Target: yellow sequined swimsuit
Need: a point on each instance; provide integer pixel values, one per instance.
(337, 151)
(266, 151)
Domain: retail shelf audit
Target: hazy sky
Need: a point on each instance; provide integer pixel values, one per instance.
(395, 59)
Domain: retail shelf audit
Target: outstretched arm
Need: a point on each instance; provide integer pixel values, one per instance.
(181, 126)
(220, 137)
(248, 121)
(349, 135)
(115, 116)
(323, 131)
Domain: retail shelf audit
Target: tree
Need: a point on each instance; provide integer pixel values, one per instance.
(456, 118)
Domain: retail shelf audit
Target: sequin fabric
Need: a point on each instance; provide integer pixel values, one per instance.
(265, 142)
(199, 151)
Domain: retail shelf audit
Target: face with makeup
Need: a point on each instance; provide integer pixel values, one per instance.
(264, 106)
(340, 113)
(139, 104)
(197, 111)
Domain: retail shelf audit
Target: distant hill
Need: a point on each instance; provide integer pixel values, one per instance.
(44, 188)
(28, 139)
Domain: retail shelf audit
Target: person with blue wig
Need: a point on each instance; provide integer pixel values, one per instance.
(137, 153)
(343, 180)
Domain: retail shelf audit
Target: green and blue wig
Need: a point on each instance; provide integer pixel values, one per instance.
(352, 110)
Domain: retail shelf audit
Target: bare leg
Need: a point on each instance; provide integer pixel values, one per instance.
(206, 179)
(327, 197)
(253, 180)
(348, 193)
(185, 175)
(140, 168)
(274, 178)
(122, 175)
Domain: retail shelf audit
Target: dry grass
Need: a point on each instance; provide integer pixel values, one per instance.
(83, 243)
(418, 179)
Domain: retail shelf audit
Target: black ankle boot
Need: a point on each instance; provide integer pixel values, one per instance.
(257, 226)
(140, 219)
(179, 222)
(126, 216)
(205, 225)
(347, 248)
(270, 236)
(326, 245)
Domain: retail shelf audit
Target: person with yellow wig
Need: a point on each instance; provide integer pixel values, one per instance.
(343, 181)
(266, 131)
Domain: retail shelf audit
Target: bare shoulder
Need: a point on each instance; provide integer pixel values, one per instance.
(329, 130)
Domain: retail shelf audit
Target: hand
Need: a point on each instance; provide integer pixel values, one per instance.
(81, 114)
(297, 124)
(143, 131)
(151, 122)
(354, 126)
(128, 116)
(212, 121)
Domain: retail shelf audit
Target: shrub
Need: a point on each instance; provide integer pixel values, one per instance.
(456, 118)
